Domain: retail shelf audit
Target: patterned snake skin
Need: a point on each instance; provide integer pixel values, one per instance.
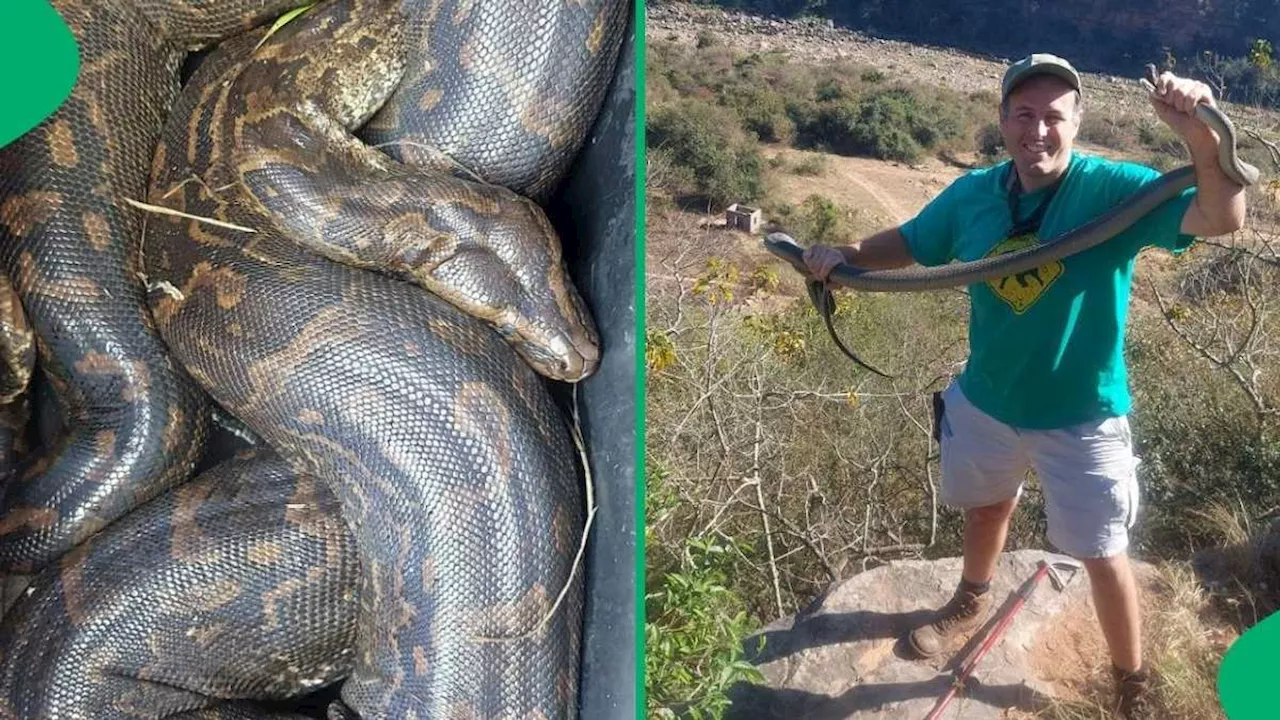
(491, 461)
(449, 459)
(17, 360)
(214, 591)
(510, 97)
(134, 423)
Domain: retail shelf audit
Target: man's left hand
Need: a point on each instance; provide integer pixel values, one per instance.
(1175, 99)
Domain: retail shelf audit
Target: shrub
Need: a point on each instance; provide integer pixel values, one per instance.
(824, 218)
(763, 111)
(817, 220)
(659, 351)
(891, 124)
(989, 141)
(884, 128)
(723, 164)
(813, 165)
(694, 638)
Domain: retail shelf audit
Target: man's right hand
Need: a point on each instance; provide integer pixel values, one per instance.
(821, 260)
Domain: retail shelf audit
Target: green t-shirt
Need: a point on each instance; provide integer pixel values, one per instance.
(1046, 346)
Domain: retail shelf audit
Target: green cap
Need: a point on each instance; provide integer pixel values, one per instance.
(1038, 64)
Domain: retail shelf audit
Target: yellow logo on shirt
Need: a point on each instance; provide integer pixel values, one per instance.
(1023, 289)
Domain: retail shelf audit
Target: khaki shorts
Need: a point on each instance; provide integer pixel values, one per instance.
(1088, 473)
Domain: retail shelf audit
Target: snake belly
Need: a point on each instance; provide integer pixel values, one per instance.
(69, 244)
(508, 90)
(238, 584)
(452, 465)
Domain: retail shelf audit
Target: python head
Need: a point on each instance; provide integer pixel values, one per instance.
(495, 256)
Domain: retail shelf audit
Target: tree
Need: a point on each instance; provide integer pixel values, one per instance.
(1260, 54)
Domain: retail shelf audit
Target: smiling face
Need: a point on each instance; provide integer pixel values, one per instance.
(1039, 123)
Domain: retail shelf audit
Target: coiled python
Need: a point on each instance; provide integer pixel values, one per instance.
(134, 424)
(451, 463)
(68, 242)
(511, 97)
(538, 673)
(216, 591)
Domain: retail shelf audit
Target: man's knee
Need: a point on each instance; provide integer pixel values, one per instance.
(993, 514)
(1111, 567)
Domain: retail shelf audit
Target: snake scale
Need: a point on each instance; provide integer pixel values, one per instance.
(134, 423)
(190, 599)
(17, 361)
(448, 457)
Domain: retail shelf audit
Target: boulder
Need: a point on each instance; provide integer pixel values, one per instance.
(846, 656)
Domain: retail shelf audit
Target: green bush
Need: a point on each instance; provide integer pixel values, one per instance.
(824, 218)
(813, 166)
(833, 89)
(842, 107)
(803, 113)
(989, 141)
(724, 165)
(886, 128)
(1240, 79)
(694, 635)
(763, 111)
(817, 220)
(890, 124)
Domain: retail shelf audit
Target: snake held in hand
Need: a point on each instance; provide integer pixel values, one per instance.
(1098, 230)
(1109, 224)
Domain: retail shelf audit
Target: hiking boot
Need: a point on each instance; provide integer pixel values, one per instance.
(964, 612)
(1134, 699)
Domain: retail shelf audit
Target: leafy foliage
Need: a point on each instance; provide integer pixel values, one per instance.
(723, 164)
(694, 640)
(710, 104)
(1222, 32)
(817, 220)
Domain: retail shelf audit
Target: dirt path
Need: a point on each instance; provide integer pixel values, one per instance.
(881, 194)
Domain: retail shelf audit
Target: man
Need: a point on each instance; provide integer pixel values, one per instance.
(1045, 383)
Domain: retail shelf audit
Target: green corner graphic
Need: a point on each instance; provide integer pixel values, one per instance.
(39, 62)
(1248, 671)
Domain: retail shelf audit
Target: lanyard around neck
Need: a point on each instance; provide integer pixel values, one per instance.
(1014, 186)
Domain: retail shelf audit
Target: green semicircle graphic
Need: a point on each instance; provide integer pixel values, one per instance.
(39, 62)
(1249, 669)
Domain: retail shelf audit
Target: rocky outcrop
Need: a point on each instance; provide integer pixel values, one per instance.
(845, 656)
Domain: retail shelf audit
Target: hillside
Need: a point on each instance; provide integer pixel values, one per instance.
(1103, 35)
(776, 469)
(890, 192)
(811, 41)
